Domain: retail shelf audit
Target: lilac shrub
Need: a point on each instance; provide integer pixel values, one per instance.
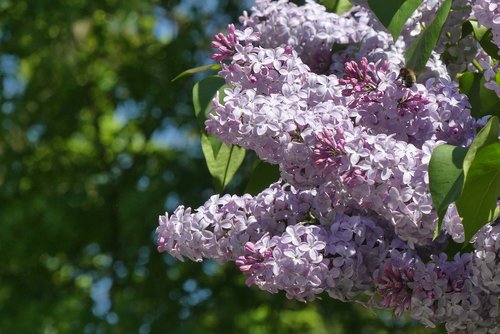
(352, 214)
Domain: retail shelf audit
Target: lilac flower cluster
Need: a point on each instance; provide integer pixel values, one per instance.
(352, 214)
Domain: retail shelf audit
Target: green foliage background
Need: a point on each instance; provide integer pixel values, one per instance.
(95, 143)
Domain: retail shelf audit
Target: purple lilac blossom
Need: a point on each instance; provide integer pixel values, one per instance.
(445, 293)
(352, 215)
(486, 259)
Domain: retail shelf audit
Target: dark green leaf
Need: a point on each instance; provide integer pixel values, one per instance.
(487, 135)
(223, 164)
(337, 47)
(330, 5)
(420, 50)
(199, 69)
(446, 177)
(467, 29)
(478, 204)
(483, 101)
(262, 176)
(393, 14)
(454, 247)
(470, 85)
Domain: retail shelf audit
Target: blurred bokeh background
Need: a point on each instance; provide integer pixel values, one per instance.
(95, 143)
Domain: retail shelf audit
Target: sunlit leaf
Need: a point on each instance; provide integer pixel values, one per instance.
(343, 6)
(223, 164)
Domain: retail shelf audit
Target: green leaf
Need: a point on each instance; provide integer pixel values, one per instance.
(487, 135)
(203, 93)
(496, 213)
(483, 35)
(466, 29)
(483, 101)
(336, 6)
(222, 161)
(343, 6)
(420, 50)
(497, 77)
(446, 177)
(478, 204)
(490, 102)
(262, 176)
(195, 70)
(393, 14)
(223, 164)
(469, 83)
(330, 5)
